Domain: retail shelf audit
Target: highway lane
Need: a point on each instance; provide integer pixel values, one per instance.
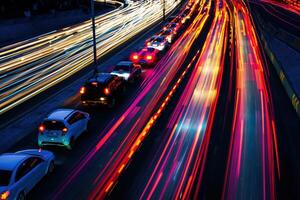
(286, 119)
(108, 176)
(60, 185)
(253, 162)
(28, 68)
(174, 164)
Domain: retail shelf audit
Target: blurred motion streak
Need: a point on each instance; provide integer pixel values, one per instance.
(252, 160)
(27, 68)
(131, 123)
(180, 164)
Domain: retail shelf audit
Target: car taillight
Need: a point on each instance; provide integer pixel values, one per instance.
(4, 195)
(42, 129)
(82, 90)
(149, 57)
(106, 91)
(148, 43)
(64, 130)
(165, 28)
(134, 57)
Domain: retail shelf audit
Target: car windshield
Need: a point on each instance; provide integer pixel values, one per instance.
(53, 125)
(144, 53)
(5, 177)
(122, 67)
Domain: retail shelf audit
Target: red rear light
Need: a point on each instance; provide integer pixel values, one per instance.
(149, 57)
(82, 90)
(42, 129)
(64, 130)
(106, 91)
(4, 195)
(134, 57)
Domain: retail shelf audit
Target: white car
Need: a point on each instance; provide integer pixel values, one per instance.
(62, 127)
(21, 171)
(127, 70)
(158, 42)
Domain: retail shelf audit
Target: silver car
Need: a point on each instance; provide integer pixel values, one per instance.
(62, 127)
(21, 171)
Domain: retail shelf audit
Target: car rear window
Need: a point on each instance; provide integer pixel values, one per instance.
(122, 67)
(53, 125)
(5, 177)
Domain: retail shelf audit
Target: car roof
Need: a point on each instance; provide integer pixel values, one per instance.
(10, 161)
(60, 114)
(160, 37)
(101, 77)
(128, 63)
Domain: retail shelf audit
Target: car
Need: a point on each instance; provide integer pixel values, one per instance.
(102, 89)
(158, 42)
(22, 170)
(128, 70)
(62, 127)
(147, 56)
(170, 35)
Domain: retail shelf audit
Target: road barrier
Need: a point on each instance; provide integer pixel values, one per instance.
(279, 69)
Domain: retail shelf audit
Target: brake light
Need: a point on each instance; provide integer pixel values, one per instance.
(82, 90)
(134, 57)
(42, 129)
(165, 28)
(149, 57)
(148, 43)
(64, 130)
(106, 91)
(4, 195)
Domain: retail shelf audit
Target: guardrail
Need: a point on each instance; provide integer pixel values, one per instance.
(279, 69)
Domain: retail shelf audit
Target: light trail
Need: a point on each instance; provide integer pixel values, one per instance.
(125, 131)
(180, 164)
(30, 67)
(253, 156)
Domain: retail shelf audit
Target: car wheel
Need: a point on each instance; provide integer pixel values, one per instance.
(21, 196)
(50, 168)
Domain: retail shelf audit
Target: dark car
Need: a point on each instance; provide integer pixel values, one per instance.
(102, 89)
(128, 70)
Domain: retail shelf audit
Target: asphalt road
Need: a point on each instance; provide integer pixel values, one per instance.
(74, 167)
(190, 146)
